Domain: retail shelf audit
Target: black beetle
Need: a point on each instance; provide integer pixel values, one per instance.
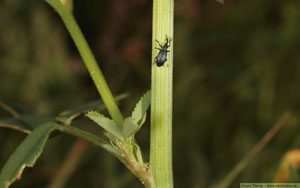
(161, 58)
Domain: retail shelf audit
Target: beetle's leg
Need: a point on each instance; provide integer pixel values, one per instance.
(169, 42)
(158, 43)
(155, 60)
(158, 48)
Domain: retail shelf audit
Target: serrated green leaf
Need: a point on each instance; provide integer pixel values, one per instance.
(129, 127)
(142, 121)
(141, 108)
(25, 155)
(106, 123)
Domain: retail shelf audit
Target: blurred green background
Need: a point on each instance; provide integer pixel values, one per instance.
(236, 71)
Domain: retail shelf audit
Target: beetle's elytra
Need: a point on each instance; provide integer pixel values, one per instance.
(161, 58)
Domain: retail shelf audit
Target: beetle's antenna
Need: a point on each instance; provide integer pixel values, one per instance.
(158, 43)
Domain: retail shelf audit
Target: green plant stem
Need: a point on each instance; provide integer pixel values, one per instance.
(81, 134)
(89, 59)
(161, 102)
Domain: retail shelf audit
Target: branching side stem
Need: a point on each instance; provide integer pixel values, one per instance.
(89, 59)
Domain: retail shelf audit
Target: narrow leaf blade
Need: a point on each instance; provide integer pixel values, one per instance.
(25, 155)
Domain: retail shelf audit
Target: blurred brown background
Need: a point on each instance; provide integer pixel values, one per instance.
(236, 71)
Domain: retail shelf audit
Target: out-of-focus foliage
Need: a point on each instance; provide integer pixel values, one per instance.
(290, 162)
(236, 71)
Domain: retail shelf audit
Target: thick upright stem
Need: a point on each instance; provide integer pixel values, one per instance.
(161, 103)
